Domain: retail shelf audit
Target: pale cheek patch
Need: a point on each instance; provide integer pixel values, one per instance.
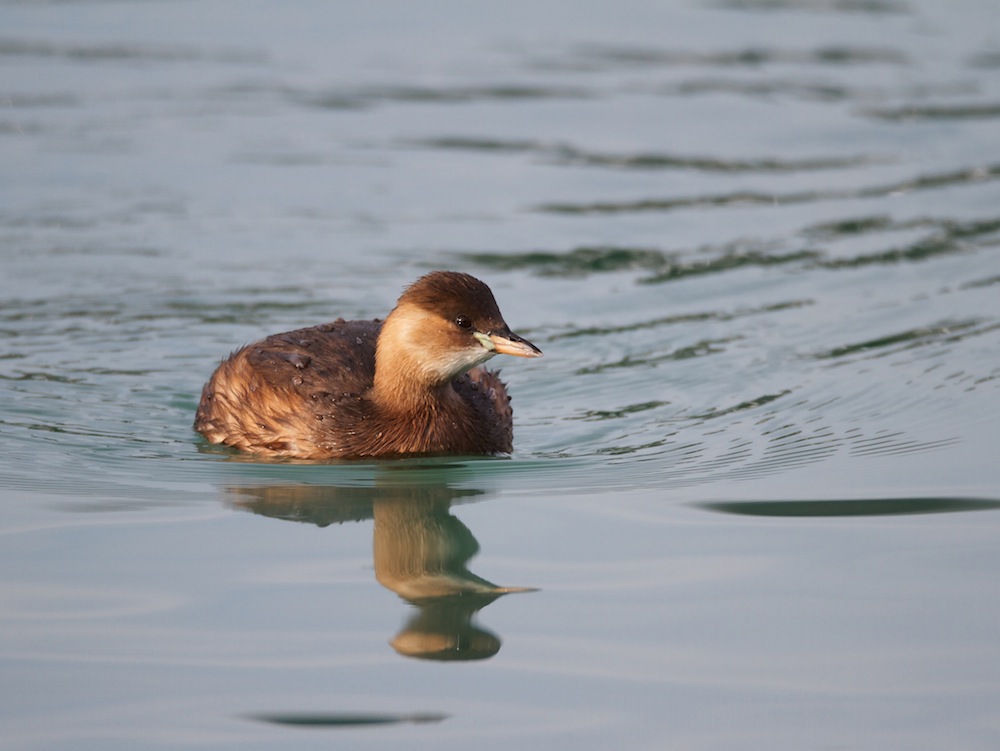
(410, 332)
(448, 365)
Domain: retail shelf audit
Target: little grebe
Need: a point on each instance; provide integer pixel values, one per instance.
(408, 385)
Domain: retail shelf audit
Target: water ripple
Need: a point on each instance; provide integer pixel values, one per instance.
(911, 112)
(808, 89)
(853, 507)
(702, 348)
(817, 6)
(630, 409)
(653, 323)
(365, 97)
(742, 406)
(346, 719)
(118, 53)
(934, 181)
(919, 337)
(932, 237)
(663, 266)
(694, 460)
(727, 262)
(567, 154)
(987, 282)
(753, 57)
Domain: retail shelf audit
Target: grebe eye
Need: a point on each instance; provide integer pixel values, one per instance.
(463, 322)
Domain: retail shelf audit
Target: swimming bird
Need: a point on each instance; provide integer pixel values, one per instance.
(409, 385)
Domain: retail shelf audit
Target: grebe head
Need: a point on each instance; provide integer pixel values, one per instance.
(443, 325)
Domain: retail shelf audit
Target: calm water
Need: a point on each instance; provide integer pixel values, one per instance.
(754, 500)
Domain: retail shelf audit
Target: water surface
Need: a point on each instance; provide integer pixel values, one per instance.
(753, 500)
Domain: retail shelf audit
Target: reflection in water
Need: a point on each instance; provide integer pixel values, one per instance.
(421, 553)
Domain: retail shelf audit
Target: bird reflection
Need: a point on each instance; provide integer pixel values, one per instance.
(421, 552)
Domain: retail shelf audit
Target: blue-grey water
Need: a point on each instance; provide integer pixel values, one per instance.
(755, 487)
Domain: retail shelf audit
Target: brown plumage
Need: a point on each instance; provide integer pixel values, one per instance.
(350, 389)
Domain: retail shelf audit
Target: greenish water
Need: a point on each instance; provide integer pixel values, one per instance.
(754, 497)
